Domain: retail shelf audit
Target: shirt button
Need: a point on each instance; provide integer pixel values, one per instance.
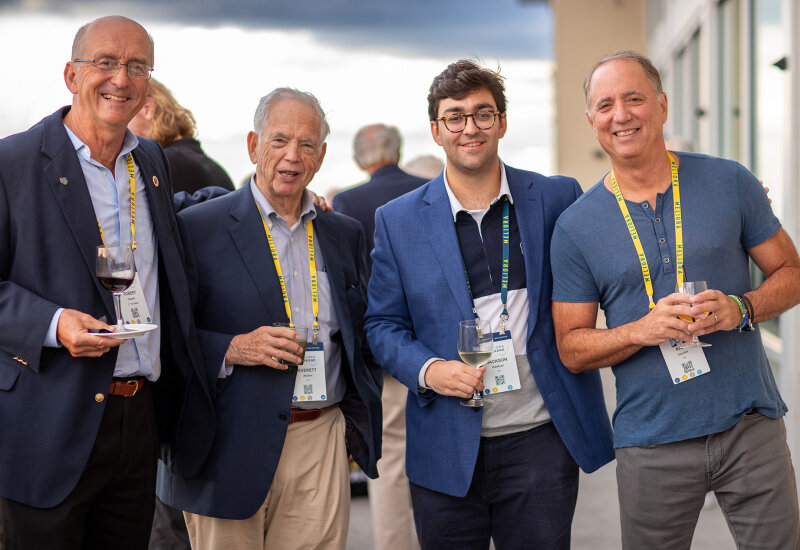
(99, 397)
(295, 273)
(282, 417)
(658, 220)
(662, 240)
(666, 260)
(291, 239)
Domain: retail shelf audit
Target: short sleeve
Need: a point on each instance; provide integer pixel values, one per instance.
(572, 278)
(759, 222)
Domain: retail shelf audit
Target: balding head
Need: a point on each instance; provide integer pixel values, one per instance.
(376, 146)
(104, 24)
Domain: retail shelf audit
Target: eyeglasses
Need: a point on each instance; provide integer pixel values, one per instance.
(111, 65)
(456, 122)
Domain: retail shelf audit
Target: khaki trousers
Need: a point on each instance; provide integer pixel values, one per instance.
(389, 495)
(308, 504)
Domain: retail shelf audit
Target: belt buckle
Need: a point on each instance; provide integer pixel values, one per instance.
(135, 384)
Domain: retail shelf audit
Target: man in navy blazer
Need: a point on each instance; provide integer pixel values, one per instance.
(78, 448)
(277, 474)
(376, 150)
(508, 470)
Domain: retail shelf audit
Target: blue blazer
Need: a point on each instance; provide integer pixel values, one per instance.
(417, 295)
(385, 184)
(48, 234)
(235, 290)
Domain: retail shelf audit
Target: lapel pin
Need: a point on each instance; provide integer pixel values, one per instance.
(155, 181)
(63, 180)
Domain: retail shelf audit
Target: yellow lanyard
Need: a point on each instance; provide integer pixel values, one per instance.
(312, 267)
(129, 161)
(676, 208)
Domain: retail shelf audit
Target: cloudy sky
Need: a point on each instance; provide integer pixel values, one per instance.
(366, 60)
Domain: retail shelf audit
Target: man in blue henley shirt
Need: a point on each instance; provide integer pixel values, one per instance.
(687, 421)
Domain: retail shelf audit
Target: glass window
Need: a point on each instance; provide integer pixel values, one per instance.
(728, 76)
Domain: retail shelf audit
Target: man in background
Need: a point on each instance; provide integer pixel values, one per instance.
(376, 150)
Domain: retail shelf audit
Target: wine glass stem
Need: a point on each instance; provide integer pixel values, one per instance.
(117, 309)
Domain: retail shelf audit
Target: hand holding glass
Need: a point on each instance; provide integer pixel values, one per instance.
(475, 344)
(691, 288)
(302, 338)
(115, 269)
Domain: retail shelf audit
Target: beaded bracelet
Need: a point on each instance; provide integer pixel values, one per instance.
(750, 313)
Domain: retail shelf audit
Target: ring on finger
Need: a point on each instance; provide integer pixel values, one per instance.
(716, 319)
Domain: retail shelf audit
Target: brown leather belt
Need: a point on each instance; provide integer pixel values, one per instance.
(303, 415)
(126, 388)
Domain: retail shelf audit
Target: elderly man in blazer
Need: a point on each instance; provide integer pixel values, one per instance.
(509, 470)
(81, 415)
(277, 474)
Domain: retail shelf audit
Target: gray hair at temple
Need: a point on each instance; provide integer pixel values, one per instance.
(264, 105)
(650, 71)
(377, 144)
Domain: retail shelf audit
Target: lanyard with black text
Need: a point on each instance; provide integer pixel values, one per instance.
(129, 162)
(676, 206)
(312, 266)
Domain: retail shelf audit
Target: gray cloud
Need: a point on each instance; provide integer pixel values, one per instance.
(508, 29)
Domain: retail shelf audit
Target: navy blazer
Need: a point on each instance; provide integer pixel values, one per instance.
(235, 290)
(48, 234)
(417, 295)
(385, 184)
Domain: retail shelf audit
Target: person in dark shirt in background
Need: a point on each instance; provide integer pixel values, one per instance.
(165, 120)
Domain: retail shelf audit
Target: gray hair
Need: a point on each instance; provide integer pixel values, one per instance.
(650, 71)
(79, 42)
(265, 104)
(377, 143)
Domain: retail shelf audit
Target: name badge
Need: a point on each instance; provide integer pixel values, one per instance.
(133, 306)
(683, 364)
(501, 371)
(310, 383)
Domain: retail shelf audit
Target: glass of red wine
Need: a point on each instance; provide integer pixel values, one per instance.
(115, 269)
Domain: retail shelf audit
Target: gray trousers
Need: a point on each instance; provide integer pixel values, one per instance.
(662, 488)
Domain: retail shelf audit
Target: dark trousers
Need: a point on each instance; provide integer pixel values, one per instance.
(169, 529)
(522, 495)
(112, 504)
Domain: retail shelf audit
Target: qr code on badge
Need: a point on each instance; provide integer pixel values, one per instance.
(134, 312)
(687, 367)
(308, 389)
(499, 380)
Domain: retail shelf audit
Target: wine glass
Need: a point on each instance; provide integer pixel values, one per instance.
(475, 343)
(115, 269)
(691, 288)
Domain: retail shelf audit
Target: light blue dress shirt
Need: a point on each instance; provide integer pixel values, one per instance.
(110, 194)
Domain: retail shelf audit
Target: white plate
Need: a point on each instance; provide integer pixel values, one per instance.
(132, 332)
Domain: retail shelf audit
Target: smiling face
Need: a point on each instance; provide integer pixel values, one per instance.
(625, 113)
(288, 152)
(472, 150)
(108, 101)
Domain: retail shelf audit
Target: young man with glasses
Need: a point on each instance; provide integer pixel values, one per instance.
(471, 243)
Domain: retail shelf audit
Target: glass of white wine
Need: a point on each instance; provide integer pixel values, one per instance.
(691, 288)
(475, 342)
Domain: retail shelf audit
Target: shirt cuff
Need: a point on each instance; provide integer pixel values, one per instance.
(51, 338)
(225, 371)
(421, 378)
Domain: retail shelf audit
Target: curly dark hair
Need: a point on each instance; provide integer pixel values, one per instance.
(462, 78)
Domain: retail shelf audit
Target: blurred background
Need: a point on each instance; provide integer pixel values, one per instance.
(728, 68)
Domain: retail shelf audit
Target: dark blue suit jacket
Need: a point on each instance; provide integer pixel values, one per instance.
(385, 184)
(48, 235)
(235, 290)
(417, 295)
